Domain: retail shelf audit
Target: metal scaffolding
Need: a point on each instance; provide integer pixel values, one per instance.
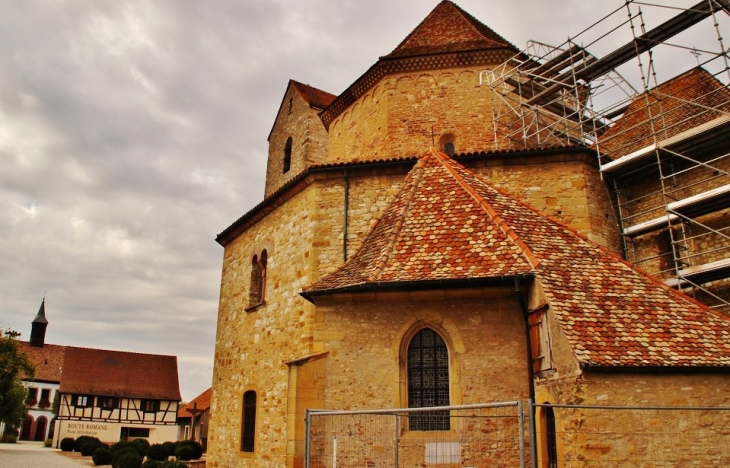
(657, 112)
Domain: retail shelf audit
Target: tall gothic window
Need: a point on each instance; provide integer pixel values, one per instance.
(428, 380)
(287, 155)
(258, 279)
(551, 437)
(248, 423)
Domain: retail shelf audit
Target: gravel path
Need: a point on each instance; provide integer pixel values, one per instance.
(34, 455)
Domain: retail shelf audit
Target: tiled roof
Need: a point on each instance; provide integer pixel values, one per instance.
(448, 28)
(447, 223)
(202, 401)
(315, 97)
(684, 102)
(48, 360)
(117, 373)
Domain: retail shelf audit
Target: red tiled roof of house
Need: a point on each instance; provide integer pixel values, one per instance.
(202, 401)
(118, 373)
(48, 360)
(684, 102)
(315, 97)
(448, 223)
(448, 28)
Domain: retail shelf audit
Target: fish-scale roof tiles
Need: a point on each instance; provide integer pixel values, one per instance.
(447, 223)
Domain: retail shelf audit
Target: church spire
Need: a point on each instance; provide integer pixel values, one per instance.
(38, 327)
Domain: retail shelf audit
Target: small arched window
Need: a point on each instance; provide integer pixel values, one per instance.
(258, 279)
(551, 437)
(248, 422)
(428, 380)
(287, 155)
(291, 104)
(449, 148)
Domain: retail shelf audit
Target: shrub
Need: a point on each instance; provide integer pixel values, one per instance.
(184, 453)
(48, 442)
(150, 463)
(128, 459)
(157, 452)
(67, 444)
(170, 447)
(173, 464)
(141, 445)
(101, 456)
(81, 440)
(121, 452)
(90, 447)
(122, 444)
(197, 448)
(8, 438)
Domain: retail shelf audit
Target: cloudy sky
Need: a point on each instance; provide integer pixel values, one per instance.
(132, 132)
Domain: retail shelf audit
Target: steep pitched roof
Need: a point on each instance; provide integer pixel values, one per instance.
(202, 401)
(315, 97)
(448, 223)
(48, 360)
(448, 28)
(686, 101)
(118, 373)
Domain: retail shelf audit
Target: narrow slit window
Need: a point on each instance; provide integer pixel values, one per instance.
(248, 423)
(287, 155)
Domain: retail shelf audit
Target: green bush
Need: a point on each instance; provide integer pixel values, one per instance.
(197, 448)
(101, 456)
(150, 463)
(141, 445)
(128, 459)
(170, 447)
(90, 447)
(184, 453)
(121, 452)
(67, 444)
(123, 444)
(81, 440)
(48, 442)
(157, 452)
(8, 439)
(173, 464)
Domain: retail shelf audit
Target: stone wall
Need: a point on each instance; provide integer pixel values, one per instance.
(309, 140)
(409, 112)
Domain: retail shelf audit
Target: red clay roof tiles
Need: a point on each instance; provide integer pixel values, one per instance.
(118, 373)
(202, 401)
(315, 97)
(448, 28)
(447, 223)
(684, 102)
(48, 360)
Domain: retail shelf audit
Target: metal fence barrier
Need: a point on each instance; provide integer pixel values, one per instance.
(499, 435)
(464, 436)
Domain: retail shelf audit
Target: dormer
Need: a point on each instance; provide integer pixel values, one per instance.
(298, 138)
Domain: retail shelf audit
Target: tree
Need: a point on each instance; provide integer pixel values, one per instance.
(14, 367)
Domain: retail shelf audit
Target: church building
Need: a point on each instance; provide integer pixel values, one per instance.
(411, 252)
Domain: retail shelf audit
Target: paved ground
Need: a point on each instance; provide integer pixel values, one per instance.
(34, 455)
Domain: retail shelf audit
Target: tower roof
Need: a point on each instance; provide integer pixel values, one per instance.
(448, 28)
(448, 224)
(313, 96)
(41, 316)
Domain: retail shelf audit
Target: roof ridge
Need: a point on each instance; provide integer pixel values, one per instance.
(412, 188)
(493, 215)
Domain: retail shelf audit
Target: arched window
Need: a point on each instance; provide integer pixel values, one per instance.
(428, 380)
(25, 430)
(551, 437)
(287, 155)
(248, 422)
(449, 148)
(40, 429)
(447, 144)
(258, 279)
(291, 104)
